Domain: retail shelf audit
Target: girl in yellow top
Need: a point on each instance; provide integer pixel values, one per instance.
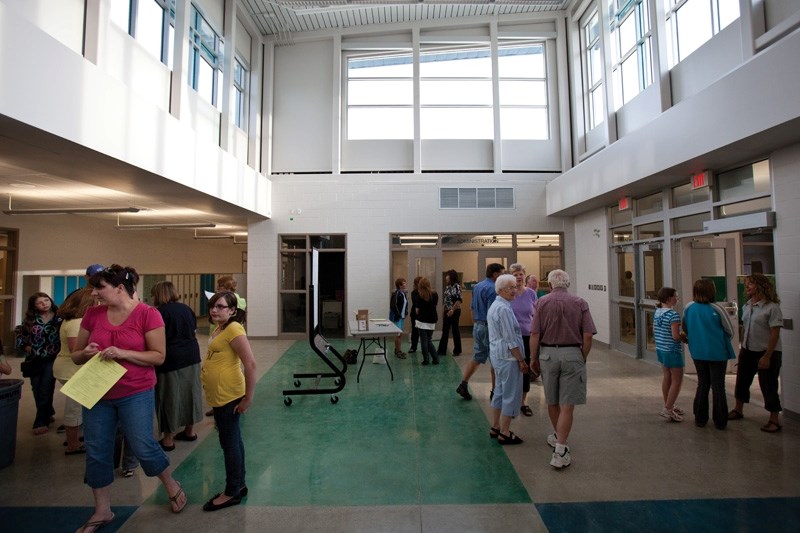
(229, 380)
(72, 311)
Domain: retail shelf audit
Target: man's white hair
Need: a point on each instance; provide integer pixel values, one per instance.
(503, 281)
(558, 279)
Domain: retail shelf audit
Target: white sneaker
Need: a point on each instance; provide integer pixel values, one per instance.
(560, 461)
(551, 440)
(675, 416)
(665, 413)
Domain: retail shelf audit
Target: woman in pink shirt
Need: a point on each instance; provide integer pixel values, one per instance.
(127, 331)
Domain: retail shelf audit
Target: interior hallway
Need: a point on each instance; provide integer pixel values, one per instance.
(411, 455)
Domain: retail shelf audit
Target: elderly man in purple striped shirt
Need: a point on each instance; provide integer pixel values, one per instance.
(563, 328)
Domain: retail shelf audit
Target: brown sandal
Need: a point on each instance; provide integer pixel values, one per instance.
(176, 506)
(771, 427)
(735, 415)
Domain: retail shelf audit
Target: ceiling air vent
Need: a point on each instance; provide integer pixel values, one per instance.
(476, 198)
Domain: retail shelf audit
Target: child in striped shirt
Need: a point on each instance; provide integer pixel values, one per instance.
(668, 337)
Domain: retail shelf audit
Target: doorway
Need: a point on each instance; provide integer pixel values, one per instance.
(713, 258)
(8, 265)
(294, 272)
(639, 276)
(651, 276)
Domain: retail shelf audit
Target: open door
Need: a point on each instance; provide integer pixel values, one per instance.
(712, 258)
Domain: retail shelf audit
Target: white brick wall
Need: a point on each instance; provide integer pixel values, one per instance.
(367, 208)
(591, 251)
(786, 174)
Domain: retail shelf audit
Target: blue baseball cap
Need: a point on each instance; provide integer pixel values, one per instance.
(91, 270)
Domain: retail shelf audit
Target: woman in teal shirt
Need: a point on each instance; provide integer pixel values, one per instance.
(709, 336)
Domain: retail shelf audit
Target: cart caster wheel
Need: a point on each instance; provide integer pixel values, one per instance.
(287, 401)
(334, 399)
(297, 383)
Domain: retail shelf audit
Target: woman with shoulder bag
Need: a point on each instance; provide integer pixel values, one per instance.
(708, 332)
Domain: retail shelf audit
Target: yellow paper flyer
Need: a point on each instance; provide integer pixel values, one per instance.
(93, 380)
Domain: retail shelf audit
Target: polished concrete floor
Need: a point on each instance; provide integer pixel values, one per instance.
(411, 455)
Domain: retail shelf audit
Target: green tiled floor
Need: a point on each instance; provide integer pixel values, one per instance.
(402, 442)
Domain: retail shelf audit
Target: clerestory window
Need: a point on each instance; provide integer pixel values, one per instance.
(631, 50)
(205, 59)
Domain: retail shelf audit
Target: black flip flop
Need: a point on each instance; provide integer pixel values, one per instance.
(76, 451)
(183, 436)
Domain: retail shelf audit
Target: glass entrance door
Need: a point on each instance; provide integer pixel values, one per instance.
(651, 275)
(623, 299)
(638, 277)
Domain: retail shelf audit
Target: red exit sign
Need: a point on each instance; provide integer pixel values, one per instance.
(624, 203)
(701, 179)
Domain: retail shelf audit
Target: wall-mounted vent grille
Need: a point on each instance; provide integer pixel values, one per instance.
(476, 198)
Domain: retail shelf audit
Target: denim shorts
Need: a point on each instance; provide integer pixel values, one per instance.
(480, 337)
(671, 359)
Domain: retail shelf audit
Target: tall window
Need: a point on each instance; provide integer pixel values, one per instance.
(205, 59)
(380, 97)
(240, 78)
(523, 92)
(150, 22)
(592, 64)
(632, 69)
(456, 96)
(690, 23)
(456, 99)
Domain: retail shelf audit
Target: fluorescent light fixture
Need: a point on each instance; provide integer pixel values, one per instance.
(213, 236)
(71, 211)
(220, 236)
(419, 240)
(168, 225)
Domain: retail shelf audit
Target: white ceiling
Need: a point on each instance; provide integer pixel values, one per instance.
(283, 18)
(40, 170)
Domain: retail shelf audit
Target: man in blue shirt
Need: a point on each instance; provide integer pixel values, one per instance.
(483, 295)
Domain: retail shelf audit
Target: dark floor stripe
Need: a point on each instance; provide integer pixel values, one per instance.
(56, 519)
(674, 516)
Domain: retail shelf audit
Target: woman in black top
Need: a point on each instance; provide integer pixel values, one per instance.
(426, 304)
(179, 395)
(452, 313)
(39, 340)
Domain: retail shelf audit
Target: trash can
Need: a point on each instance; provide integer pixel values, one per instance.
(10, 393)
